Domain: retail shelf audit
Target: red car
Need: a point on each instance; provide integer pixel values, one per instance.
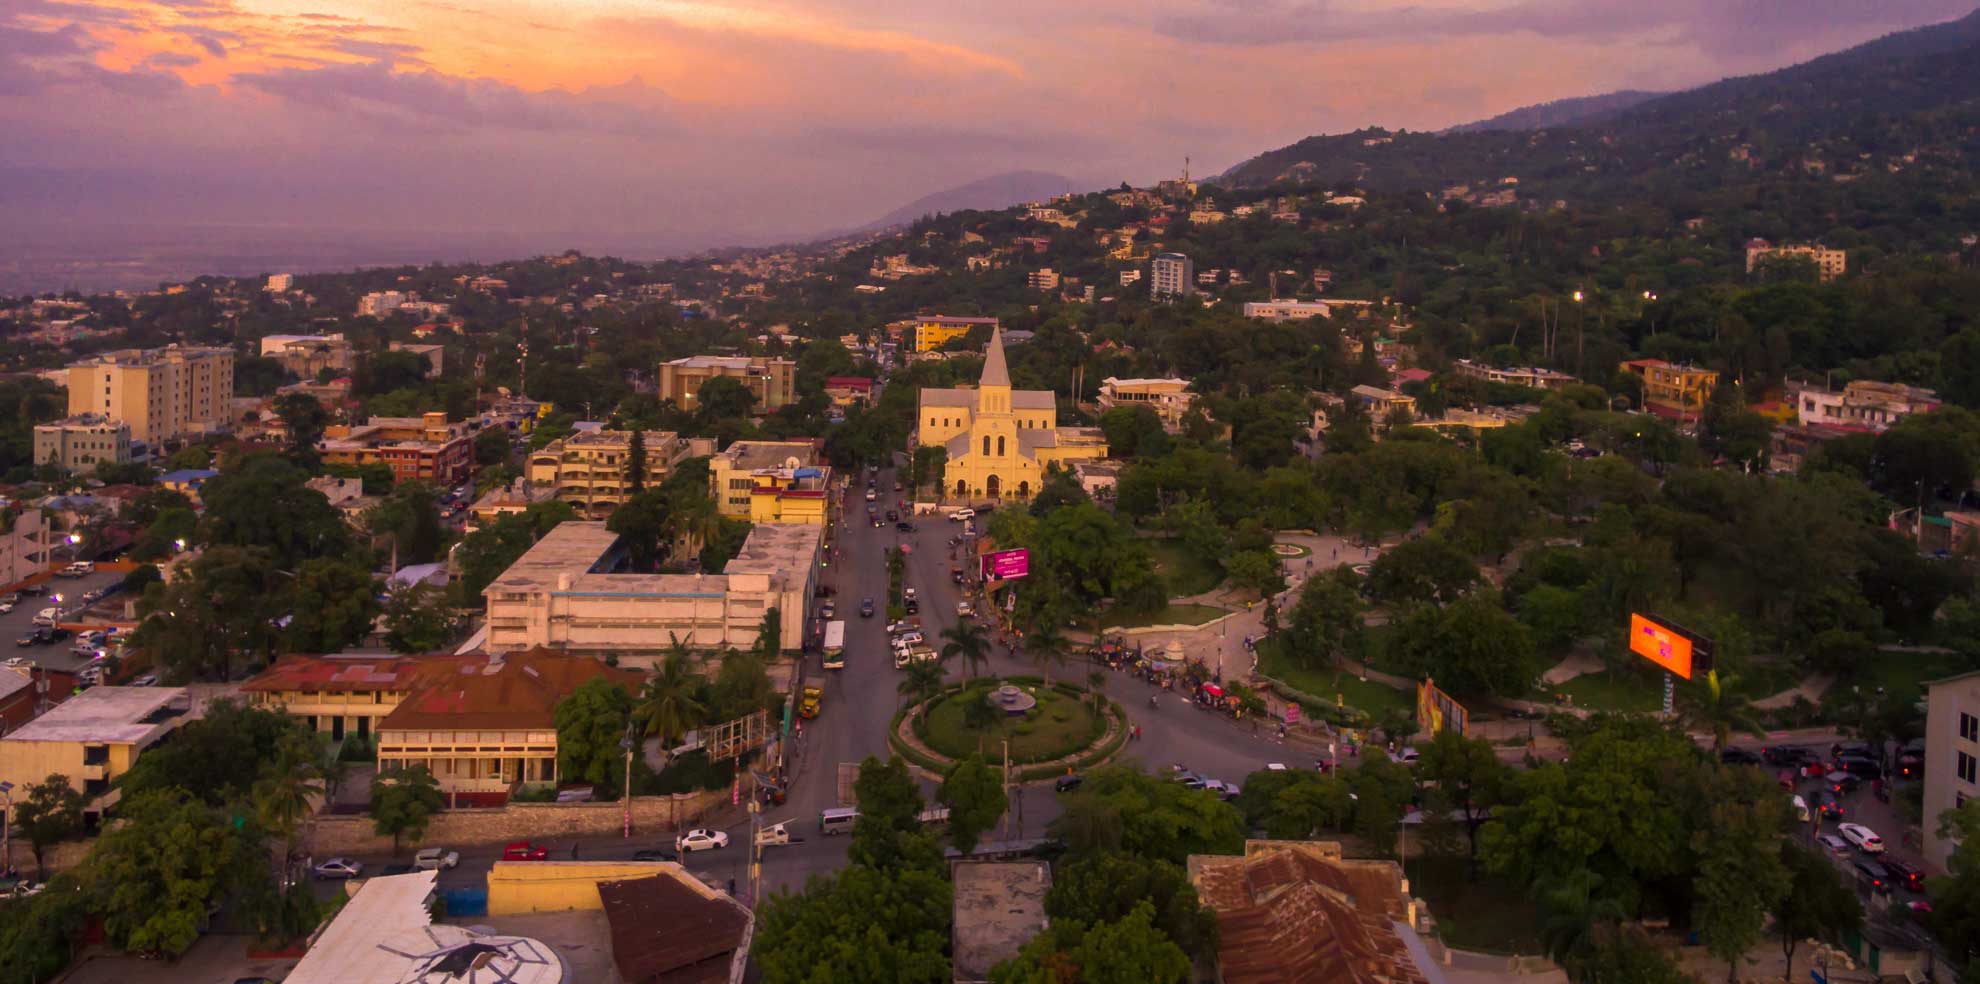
(525, 851)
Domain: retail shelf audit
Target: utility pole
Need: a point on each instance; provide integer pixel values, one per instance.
(1007, 787)
(626, 794)
(7, 824)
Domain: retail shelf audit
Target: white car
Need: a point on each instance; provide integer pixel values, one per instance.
(958, 515)
(5, 607)
(436, 859)
(337, 868)
(1863, 837)
(964, 609)
(47, 616)
(1405, 755)
(700, 839)
(1836, 845)
(871, 495)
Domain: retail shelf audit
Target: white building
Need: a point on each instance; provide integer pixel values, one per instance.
(279, 282)
(378, 304)
(1863, 405)
(1043, 279)
(1170, 398)
(82, 442)
(1172, 275)
(1286, 310)
(1534, 377)
(24, 547)
(1952, 755)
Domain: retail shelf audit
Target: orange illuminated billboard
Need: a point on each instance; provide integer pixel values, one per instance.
(1669, 646)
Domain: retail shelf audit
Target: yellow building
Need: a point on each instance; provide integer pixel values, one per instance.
(1673, 391)
(931, 332)
(1000, 441)
(161, 393)
(773, 382)
(589, 470)
(92, 738)
(771, 482)
(1829, 263)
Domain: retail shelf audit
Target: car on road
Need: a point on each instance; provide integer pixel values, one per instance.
(866, 608)
(1068, 783)
(911, 607)
(1862, 768)
(958, 515)
(1907, 875)
(33, 590)
(1787, 754)
(337, 868)
(828, 609)
(1863, 837)
(701, 839)
(1740, 756)
(1842, 782)
(655, 854)
(46, 616)
(956, 574)
(1405, 755)
(35, 637)
(904, 526)
(525, 851)
(964, 609)
(81, 568)
(7, 606)
(1836, 845)
(436, 859)
(1827, 804)
(1876, 874)
(814, 701)
(871, 495)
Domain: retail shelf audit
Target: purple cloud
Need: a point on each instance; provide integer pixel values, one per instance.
(431, 99)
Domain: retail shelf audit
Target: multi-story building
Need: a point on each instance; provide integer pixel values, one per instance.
(25, 548)
(305, 356)
(1285, 310)
(1829, 263)
(1380, 402)
(1546, 379)
(1862, 405)
(844, 391)
(162, 394)
(1171, 275)
(934, 331)
(426, 448)
(515, 497)
(380, 303)
(1298, 912)
(771, 482)
(92, 738)
(1169, 398)
(1952, 756)
(482, 724)
(28, 691)
(1043, 278)
(562, 594)
(82, 442)
(590, 469)
(1673, 391)
(279, 282)
(1000, 441)
(771, 381)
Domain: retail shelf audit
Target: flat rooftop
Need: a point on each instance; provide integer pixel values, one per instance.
(571, 547)
(999, 907)
(104, 715)
(755, 455)
(574, 548)
(774, 548)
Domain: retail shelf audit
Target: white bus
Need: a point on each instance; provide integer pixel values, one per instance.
(835, 645)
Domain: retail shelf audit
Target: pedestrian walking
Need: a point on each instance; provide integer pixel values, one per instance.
(574, 850)
(732, 888)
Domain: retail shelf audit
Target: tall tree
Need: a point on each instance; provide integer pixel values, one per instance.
(289, 794)
(155, 875)
(643, 523)
(1469, 779)
(409, 518)
(305, 419)
(403, 802)
(419, 618)
(969, 642)
(591, 723)
(921, 681)
(50, 811)
(1817, 905)
(1046, 643)
(336, 606)
(1739, 881)
(974, 794)
(1713, 705)
(667, 708)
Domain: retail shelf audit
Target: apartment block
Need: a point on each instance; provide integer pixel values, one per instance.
(1169, 398)
(934, 331)
(1171, 275)
(1829, 263)
(82, 442)
(306, 356)
(771, 482)
(1536, 378)
(426, 448)
(1673, 391)
(1863, 405)
(92, 738)
(589, 469)
(162, 394)
(772, 382)
(1952, 756)
(25, 542)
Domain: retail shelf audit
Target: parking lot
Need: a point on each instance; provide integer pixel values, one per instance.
(1856, 803)
(64, 593)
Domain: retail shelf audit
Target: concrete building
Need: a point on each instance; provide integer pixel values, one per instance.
(515, 497)
(188, 481)
(1171, 275)
(590, 470)
(1170, 398)
(1863, 405)
(1952, 755)
(82, 442)
(771, 482)
(28, 691)
(1296, 912)
(306, 356)
(998, 907)
(162, 394)
(1380, 402)
(92, 738)
(562, 594)
(1043, 278)
(386, 934)
(1829, 263)
(426, 448)
(1289, 310)
(1533, 377)
(279, 282)
(380, 303)
(670, 926)
(1000, 441)
(933, 331)
(844, 391)
(771, 381)
(1673, 391)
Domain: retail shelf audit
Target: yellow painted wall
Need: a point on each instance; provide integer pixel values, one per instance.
(518, 887)
(773, 509)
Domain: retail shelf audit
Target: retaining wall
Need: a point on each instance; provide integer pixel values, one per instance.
(355, 834)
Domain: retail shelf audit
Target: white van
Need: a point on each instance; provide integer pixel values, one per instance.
(1800, 808)
(838, 820)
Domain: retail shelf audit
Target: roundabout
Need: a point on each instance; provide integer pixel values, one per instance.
(1047, 728)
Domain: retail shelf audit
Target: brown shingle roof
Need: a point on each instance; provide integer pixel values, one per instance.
(1294, 912)
(496, 693)
(665, 932)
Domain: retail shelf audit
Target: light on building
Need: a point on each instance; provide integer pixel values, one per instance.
(1577, 297)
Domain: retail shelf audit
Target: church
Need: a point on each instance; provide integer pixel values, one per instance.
(1000, 441)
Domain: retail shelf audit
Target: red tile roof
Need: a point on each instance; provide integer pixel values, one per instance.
(1296, 912)
(518, 691)
(665, 932)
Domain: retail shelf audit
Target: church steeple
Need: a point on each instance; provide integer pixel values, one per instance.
(993, 391)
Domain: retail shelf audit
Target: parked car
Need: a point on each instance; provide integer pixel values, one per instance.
(337, 868)
(436, 859)
(1068, 783)
(1828, 805)
(964, 609)
(7, 606)
(1739, 756)
(1905, 874)
(1859, 767)
(525, 851)
(701, 839)
(1876, 874)
(911, 606)
(958, 515)
(1836, 845)
(1842, 783)
(81, 568)
(33, 637)
(1405, 755)
(1787, 754)
(33, 590)
(871, 495)
(1863, 837)
(46, 616)
(904, 526)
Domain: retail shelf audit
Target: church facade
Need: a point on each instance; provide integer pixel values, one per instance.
(1000, 441)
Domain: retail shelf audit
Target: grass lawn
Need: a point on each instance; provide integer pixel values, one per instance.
(1487, 915)
(1058, 726)
(1168, 615)
(1182, 573)
(1903, 673)
(1372, 697)
(1610, 690)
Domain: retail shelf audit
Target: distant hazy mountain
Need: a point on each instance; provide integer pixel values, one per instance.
(1560, 112)
(994, 192)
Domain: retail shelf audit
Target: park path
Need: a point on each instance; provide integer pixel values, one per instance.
(1576, 664)
(1810, 689)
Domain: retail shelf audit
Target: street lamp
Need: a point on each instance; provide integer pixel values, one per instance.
(179, 544)
(625, 795)
(6, 825)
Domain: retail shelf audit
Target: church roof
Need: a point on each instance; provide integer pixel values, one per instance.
(995, 372)
(1020, 399)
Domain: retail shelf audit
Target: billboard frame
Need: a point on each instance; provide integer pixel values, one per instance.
(1695, 658)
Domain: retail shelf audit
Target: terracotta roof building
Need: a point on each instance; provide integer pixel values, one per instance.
(1293, 912)
(666, 931)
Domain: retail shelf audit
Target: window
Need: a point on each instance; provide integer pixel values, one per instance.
(986, 447)
(1000, 447)
(1966, 770)
(1969, 727)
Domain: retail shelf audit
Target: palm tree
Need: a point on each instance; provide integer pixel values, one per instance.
(922, 681)
(1048, 648)
(282, 802)
(1716, 708)
(677, 647)
(1574, 913)
(667, 708)
(1096, 681)
(980, 717)
(695, 519)
(967, 640)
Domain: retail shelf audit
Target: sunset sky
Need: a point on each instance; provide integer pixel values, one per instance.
(612, 123)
